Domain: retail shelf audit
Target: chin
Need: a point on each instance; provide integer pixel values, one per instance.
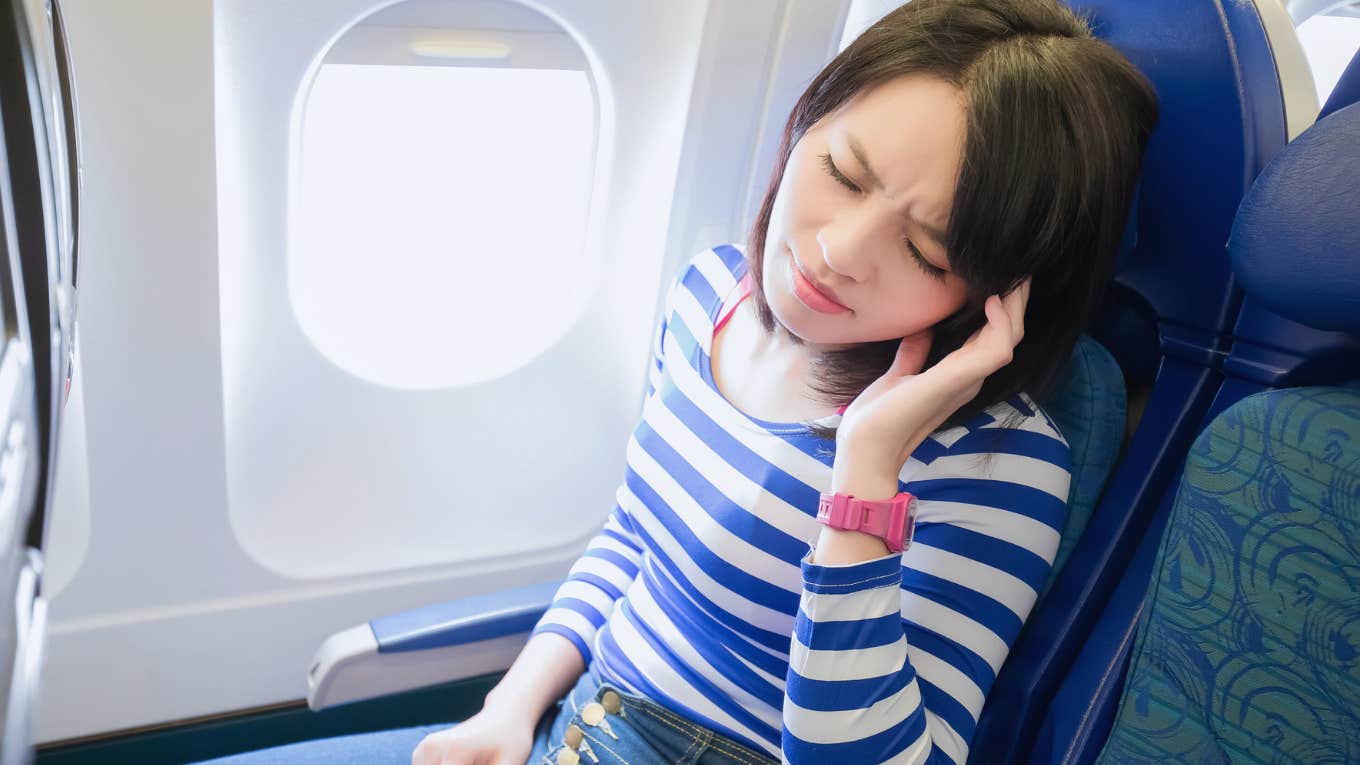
(802, 323)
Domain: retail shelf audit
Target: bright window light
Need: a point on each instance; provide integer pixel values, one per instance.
(440, 222)
(1329, 42)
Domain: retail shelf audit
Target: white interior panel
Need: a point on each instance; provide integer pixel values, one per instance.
(1330, 42)
(205, 402)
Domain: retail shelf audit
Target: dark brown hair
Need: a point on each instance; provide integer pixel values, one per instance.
(1056, 125)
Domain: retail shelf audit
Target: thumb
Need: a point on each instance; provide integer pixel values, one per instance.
(911, 354)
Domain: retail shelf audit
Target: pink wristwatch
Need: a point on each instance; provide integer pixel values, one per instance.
(890, 519)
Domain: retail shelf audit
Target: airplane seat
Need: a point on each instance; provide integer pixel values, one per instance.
(1244, 647)
(1226, 76)
(1347, 90)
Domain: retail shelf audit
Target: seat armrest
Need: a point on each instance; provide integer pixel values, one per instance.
(426, 646)
(1084, 707)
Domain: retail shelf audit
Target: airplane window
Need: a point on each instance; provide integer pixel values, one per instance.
(1330, 42)
(443, 197)
(404, 206)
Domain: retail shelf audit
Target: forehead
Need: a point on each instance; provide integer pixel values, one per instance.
(911, 129)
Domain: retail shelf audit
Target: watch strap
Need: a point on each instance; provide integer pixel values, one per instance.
(892, 520)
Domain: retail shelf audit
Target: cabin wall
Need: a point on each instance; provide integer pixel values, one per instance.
(227, 497)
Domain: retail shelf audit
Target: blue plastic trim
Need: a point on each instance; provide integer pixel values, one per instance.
(1083, 710)
(467, 620)
(1276, 352)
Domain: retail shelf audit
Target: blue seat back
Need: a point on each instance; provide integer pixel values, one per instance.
(1168, 315)
(1250, 647)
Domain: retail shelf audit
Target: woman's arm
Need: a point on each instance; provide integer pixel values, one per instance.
(893, 655)
(886, 669)
(543, 672)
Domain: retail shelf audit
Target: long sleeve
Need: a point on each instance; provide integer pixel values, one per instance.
(892, 658)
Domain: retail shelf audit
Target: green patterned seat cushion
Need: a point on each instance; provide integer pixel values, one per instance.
(1089, 407)
(1249, 650)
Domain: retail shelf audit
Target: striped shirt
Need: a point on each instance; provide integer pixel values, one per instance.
(697, 593)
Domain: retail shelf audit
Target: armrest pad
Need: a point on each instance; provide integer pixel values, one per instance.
(466, 620)
(426, 646)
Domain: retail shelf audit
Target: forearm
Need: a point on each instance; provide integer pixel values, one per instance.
(543, 672)
(851, 691)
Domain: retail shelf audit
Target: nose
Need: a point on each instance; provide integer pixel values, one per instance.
(849, 245)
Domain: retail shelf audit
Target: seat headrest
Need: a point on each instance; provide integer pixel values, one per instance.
(1295, 245)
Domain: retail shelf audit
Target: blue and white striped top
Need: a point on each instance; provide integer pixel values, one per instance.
(697, 592)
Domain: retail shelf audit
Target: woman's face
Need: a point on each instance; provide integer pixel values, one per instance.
(854, 250)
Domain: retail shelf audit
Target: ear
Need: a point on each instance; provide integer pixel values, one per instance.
(912, 353)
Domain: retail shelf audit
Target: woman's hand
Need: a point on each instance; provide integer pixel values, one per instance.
(885, 423)
(493, 736)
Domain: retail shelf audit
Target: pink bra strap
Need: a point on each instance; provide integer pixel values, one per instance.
(744, 287)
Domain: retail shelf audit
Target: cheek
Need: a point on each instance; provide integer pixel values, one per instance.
(803, 200)
(925, 302)
(783, 212)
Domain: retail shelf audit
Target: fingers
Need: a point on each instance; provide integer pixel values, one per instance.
(911, 353)
(1002, 323)
(1009, 314)
(1015, 303)
(992, 346)
(432, 750)
(997, 338)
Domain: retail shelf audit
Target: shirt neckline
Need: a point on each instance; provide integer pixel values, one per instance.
(743, 286)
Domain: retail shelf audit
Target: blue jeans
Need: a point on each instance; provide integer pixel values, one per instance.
(648, 734)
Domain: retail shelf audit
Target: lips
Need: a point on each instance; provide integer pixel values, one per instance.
(812, 294)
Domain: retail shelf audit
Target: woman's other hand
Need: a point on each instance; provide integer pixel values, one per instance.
(493, 736)
(885, 423)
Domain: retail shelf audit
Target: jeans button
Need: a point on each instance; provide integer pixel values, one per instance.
(575, 736)
(593, 715)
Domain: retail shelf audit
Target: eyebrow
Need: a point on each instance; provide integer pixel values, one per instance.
(855, 148)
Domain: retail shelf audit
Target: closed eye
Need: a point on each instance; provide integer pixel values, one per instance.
(835, 172)
(932, 270)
